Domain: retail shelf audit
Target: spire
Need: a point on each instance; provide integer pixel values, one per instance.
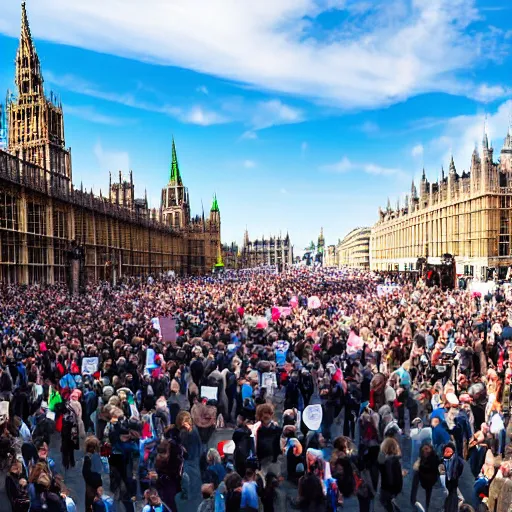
(485, 140)
(175, 169)
(452, 166)
(442, 170)
(215, 204)
(3, 126)
(388, 206)
(29, 79)
(424, 176)
(414, 193)
(507, 145)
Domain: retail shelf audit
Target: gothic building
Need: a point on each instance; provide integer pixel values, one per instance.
(275, 251)
(467, 215)
(42, 214)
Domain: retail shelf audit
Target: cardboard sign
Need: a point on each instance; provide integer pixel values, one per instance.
(168, 329)
(89, 365)
(209, 392)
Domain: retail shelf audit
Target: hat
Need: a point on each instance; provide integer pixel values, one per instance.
(416, 421)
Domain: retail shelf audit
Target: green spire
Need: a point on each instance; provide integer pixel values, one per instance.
(175, 169)
(215, 204)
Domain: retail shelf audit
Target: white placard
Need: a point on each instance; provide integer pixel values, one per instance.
(89, 365)
(50, 415)
(209, 392)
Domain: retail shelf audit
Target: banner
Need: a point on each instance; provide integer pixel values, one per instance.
(386, 289)
(89, 365)
(168, 329)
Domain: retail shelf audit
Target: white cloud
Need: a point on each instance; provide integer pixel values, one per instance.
(384, 53)
(417, 151)
(249, 164)
(89, 113)
(199, 115)
(274, 112)
(346, 165)
(111, 161)
(462, 133)
(203, 90)
(257, 116)
(369, 127)
(249, 135)
(487, 93)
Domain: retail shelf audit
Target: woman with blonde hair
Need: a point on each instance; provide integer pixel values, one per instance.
(390, 472)
(91, 471)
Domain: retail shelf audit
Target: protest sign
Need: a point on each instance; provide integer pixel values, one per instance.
(89, 365)
(168, 329)
(209, 392)
(312, 416)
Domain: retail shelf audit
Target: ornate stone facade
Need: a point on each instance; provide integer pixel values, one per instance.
(267, 251)
(354, 250)
(42, 214)
(467, 215)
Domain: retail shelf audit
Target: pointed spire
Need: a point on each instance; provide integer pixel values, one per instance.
(424, 176)
(507, 145)
(452, 167)
(215, 204)
(442, 171)
(414, 192)
(28, 70)
(485, 140)
(388, 206)
(175, 175)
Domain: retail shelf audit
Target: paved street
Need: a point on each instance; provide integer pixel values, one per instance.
(74, 480)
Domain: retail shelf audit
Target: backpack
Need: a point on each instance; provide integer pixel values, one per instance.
(70, 427)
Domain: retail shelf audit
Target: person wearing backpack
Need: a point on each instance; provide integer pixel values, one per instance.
(244, 444)
(70, 440)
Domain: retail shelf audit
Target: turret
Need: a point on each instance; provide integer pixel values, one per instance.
(215, 212)
(506, 152)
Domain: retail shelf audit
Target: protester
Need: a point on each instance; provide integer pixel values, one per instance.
(393, 365)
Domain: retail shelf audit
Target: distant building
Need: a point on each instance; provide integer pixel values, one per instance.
(43, 217)
(267, 251)
(466, 215)
(231, 256)
(330, 256)
(354, 250)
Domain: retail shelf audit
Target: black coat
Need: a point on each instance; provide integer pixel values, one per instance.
(390, 473)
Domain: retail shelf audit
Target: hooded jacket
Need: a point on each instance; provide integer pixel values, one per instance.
(390, 473)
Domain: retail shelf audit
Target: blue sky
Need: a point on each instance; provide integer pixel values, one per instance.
(297, 113)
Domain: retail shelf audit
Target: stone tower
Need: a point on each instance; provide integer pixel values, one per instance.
(175, 201)
(36, 123)
(506, 153)
(122, 193)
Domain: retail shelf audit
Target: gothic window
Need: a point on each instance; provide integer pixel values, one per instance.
(36, 216)
(8, 212)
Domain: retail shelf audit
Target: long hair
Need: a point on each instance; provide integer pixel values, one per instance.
(390, 446)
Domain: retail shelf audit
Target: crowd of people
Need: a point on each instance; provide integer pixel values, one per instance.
(334, 387)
